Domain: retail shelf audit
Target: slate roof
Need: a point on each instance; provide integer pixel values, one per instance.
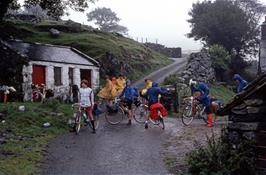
(259, 84)
(51, 53)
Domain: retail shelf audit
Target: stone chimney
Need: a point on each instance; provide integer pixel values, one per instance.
(262, 58)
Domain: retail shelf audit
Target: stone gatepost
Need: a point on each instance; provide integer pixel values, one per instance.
(262, 59)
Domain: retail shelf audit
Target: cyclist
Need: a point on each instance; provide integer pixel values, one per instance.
(203, 98)
(129, 93)
(153, 98)
(87, 101)
(241, 83)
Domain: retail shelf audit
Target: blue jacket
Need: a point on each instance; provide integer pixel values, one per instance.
(153, 93)
(129, 93)
(204, 90)
(242, 83)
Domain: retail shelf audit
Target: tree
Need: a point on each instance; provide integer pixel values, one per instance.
(57, 8)
(4, 5)
(233, 24)
(106, 20)
(220, 61)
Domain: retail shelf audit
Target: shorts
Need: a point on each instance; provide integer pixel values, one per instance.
(89, 110)
(128, 104)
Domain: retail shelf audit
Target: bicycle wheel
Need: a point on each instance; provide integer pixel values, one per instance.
(162, 122)
(204, 117)
(187, 116)
(115, 118)
(77, 122)
(159, 122)
(140, 114)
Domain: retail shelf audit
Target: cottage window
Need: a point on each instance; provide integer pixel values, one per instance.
(57, 76)
(71, 76)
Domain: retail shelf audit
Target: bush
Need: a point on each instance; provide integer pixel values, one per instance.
(222, 157)
(220, 61)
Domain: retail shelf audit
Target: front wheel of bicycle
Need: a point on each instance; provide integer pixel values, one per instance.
(140, 114)
(187, 116)
(159, 122)
(77, 122)
(116, 117)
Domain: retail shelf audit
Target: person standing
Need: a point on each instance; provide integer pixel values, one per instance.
(203, 98)
(128, 93)
(87, 101)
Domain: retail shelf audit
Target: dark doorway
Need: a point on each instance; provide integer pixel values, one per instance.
(85, 74)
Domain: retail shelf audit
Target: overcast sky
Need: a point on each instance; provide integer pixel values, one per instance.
(165, 20)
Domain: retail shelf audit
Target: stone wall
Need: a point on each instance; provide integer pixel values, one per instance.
(199, 68)
(170, 52)
(49, 73)
(262, 60)
(247, 121)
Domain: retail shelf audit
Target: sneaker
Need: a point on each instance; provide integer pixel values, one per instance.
(146, 125)
(93, 132)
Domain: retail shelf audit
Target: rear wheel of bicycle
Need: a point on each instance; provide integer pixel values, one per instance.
(115, 118)
(162, 122)
(159, 122)
(77, 122)
(140, 114)
(187, 116)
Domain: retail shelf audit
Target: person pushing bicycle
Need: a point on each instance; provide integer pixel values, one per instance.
(153, 98)
(87, 101)
(128, 93)
(203, 98)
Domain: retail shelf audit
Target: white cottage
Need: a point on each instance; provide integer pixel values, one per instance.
(58, 67)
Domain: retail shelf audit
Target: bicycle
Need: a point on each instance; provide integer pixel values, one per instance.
(192, 109)
(79, 113)
(158, 120)
(6, 91)
(38, 92)
(116, 113)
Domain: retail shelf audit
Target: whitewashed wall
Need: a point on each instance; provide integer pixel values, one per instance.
(49, 73)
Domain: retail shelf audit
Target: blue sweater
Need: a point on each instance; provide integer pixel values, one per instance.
(129, 93)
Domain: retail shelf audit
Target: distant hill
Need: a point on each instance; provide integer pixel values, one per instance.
(116, 53)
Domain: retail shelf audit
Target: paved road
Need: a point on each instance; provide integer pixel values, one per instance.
(162, 73)
(115, 150)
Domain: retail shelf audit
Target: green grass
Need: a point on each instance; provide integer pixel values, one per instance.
(93, 43)
(25, 136)
(221, 92)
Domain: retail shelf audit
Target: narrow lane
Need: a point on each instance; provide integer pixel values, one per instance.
(162, 73)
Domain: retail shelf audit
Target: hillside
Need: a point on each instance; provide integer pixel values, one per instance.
(117, 54)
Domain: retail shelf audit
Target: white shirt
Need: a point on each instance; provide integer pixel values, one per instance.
(86, 97)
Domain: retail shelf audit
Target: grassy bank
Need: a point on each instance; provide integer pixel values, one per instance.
(136, 57)
(222, 92)
(23, 137)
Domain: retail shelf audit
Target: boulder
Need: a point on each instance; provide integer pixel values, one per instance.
(54, 33)
(73, 26)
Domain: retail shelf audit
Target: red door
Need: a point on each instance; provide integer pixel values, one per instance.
(38, 75)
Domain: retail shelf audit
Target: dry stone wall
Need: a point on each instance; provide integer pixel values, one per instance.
(199, 68)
